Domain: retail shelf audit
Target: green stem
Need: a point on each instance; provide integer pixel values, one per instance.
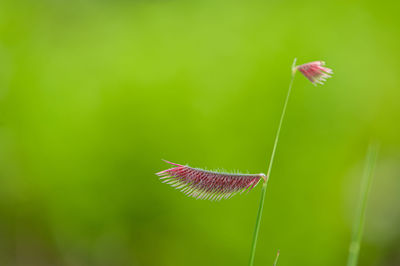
(264, 187)
(362, 207)
(276, 259)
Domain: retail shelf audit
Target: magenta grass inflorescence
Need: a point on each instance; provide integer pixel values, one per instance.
(203, 184)
(315, 71)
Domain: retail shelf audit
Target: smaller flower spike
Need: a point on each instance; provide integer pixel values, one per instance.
(314, 71)
(202, 184)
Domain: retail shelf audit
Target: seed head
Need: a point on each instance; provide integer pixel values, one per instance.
(314, 71)
(203, 184)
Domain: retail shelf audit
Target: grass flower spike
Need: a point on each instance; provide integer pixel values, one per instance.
(314, 71)
(202, 184)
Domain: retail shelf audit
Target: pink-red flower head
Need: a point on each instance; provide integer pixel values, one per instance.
(314, 71)
(202, 184)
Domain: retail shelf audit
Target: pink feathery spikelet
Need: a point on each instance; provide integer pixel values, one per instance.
(315, 71)
(202, 184)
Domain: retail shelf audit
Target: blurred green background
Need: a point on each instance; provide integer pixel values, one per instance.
(93, 94)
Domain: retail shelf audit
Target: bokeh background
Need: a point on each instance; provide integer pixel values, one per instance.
(93, 94)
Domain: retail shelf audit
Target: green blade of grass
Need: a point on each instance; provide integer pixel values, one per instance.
(370, 163)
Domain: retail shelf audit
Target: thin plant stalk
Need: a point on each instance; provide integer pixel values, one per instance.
(276, 259)
(362, 206)
(264, 187)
